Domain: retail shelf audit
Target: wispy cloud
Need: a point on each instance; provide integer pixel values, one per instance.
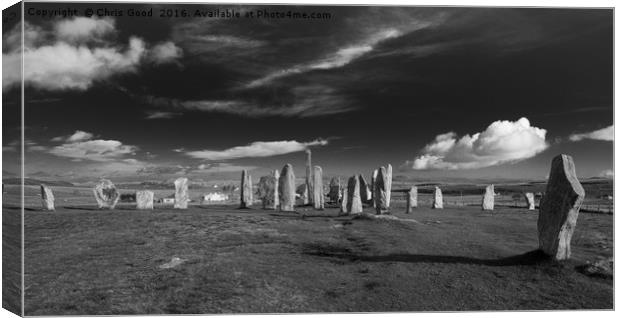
(605, 134)
(339, 58)
(500, 142)
(78, 135)
(79, 146)
(161, 115)
(256, 149)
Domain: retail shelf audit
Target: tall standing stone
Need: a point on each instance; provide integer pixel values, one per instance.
(318, 198)
(412, 199)
(246, 190)
(308, 198)
(181, 195)
(47, 198)
(373, 179)
(380, 192)
(364, 192)
(287, 188)
(559, 210)
(488, 200)
(276, 189)
(354, 200)
(344, 203)
(144, 200)
(106, 194)
(529, 198)
(334, 189)
(437, 199)
(388, 185)
(266, 191)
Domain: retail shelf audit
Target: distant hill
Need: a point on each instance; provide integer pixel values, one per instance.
(30, 181)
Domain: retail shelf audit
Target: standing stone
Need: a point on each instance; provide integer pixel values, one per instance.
(373, 179)
(334, 189)
(287, 188)
(307, 199)
(437, 199)
(144, 200)
(246, 190)
(343, 203)
(318, 198)
(276, 191)
(302, 190)
(181, 195)
(266, 191)
(364, 192)
(354, 200)
(106, 194)
(388, 185)
(47, 198)
(488, 200)
(529, 198)
(412, 199)
(559, 210)
(380, 192)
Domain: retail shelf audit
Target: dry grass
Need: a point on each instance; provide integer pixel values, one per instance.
(80, 260)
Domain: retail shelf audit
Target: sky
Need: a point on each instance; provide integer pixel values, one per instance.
(438, 93)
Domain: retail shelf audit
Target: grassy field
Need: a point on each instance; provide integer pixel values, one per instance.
(80, 260)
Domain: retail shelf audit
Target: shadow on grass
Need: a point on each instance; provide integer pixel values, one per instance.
(534, 257)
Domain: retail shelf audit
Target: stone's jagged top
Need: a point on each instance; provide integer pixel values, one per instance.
(488, 200)
(287, 188)
(181, 194)
(437, 199)
(144, 200)
(47, 198)
(559, 210)
(106, 194)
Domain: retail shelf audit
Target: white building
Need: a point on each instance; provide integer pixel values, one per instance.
(215, 197)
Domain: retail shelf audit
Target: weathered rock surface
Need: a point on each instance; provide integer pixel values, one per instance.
(343, 203)
(287, 188)
(307, 199)
(364, 189)
(318, 198)
(276, 189)
(246, 196)
(488, 200)
(106, 194)
(388, 185)
(373, 179)
(334, 190)
(47, 198)
(354, 200)
(437, 199)
(144, 200)
(181, 195)
(560, 208)
(412, 199)
(267, 191)
(529, 198)
(380, 192)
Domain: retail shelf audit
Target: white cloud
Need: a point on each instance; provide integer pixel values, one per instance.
(165, 52)
(501, 142)
(78, 135)
(605, 134)
(337, 59)
(160, 115)
(75, 55)
(256, 149)
(83, 29)
(94, 150)
(609, 174)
